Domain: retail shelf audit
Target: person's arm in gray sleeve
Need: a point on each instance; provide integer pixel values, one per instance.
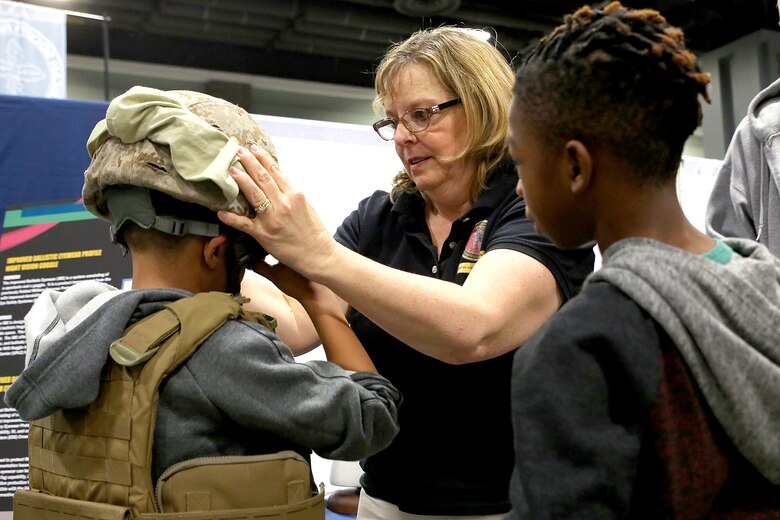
(254, 379)
(730, 209)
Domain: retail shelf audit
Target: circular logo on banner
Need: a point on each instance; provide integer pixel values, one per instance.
(30, 64)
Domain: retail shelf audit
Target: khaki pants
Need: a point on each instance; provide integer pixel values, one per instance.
(371, 508)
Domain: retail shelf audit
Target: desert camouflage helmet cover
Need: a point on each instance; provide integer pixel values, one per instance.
(150, 138)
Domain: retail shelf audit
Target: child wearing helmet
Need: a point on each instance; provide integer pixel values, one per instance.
(159, 173)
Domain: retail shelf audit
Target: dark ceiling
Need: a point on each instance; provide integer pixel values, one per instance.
(340, 41)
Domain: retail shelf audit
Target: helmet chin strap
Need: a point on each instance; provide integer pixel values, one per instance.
(234, 273)
(243, 251)
(134, 204)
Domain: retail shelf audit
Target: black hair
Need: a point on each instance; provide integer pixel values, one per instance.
(617, 77)
(243, 250)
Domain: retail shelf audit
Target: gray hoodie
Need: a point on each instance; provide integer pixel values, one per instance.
(725, 320)
(745, 200)
(240, 393)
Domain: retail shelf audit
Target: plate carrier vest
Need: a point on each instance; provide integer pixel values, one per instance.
(95, 463)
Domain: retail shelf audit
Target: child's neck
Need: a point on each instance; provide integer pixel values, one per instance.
(650, 213)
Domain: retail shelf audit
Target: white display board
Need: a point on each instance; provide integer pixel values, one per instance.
(335, 164)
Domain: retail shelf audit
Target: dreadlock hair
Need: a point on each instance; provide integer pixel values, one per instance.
(618, 77)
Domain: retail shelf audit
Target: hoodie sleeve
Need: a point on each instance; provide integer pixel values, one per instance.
(253, 378)
(581, 390)
(730, 210)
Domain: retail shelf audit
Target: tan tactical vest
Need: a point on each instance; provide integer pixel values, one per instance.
(96, 462)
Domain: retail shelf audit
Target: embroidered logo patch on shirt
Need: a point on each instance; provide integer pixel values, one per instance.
(473, 251)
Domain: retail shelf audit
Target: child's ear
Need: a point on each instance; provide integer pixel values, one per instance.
(215, 250)
(580, 164)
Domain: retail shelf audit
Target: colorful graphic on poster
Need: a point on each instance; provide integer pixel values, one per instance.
(42, 246)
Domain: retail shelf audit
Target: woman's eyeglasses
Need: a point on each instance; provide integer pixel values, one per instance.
(415, 120)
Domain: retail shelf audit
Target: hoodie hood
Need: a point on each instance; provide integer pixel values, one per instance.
(764, 113)
(69, 334)
(54, 313)
(745, 198)
(764, 121)
(723, 319)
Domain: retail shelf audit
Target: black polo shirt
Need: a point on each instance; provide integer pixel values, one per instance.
(454, 454)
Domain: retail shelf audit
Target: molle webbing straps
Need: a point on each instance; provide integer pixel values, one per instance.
(103, 453)
(195, 319)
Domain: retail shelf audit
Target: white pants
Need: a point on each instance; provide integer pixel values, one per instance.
(370, 508)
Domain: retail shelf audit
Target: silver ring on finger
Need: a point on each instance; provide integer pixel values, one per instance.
(262, 208)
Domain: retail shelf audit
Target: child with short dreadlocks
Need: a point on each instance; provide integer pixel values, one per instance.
(654, 392)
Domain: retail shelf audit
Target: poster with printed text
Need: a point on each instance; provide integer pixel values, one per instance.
(43, 246)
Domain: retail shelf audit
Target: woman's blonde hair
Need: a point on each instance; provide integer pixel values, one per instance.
(477, 73)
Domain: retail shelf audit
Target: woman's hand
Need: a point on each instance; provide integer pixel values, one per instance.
(286, 225)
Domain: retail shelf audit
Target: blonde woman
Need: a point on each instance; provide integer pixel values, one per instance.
(442, 279)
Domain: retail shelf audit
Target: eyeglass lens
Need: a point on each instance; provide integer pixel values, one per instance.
(415, 120)
(385, 129)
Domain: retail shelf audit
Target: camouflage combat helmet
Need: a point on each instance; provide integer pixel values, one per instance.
(150, 162)
(178, 143)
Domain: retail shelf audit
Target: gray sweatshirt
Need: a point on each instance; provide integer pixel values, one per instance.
(745, 200)
(725, 320)
(240, 393)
